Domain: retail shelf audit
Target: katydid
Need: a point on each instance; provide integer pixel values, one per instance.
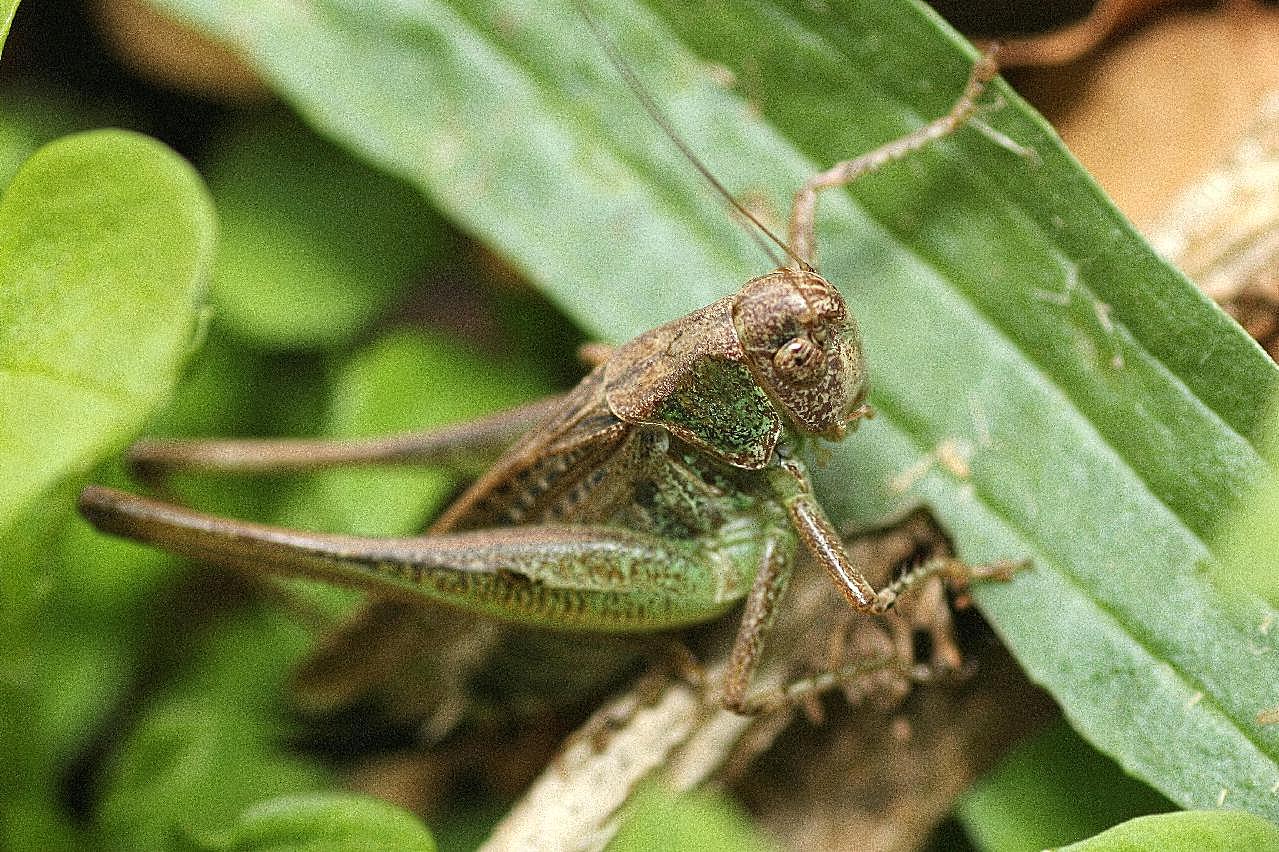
(661, 491)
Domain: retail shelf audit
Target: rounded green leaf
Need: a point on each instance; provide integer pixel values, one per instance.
(106, 241)
(327, 822)
(1187, 831)
(38, 824)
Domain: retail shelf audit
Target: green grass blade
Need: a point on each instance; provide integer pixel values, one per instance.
(8, 8)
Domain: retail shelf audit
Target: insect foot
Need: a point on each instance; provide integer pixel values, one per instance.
(956, 573)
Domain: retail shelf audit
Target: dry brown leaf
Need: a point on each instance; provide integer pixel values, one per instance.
(1073, 41)
(175, 56)
(1150, 111)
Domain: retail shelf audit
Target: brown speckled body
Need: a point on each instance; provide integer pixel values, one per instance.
(655, 494)
(646, 498)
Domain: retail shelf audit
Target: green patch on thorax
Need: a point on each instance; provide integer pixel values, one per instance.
(725, 409)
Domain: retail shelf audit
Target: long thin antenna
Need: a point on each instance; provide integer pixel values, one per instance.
(661, 120)
(758, 239)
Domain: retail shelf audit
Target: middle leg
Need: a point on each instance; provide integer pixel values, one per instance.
(466, 447)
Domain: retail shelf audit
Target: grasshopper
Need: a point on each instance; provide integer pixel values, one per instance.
(661, 491)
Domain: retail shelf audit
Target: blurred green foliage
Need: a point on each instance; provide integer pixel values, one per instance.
(404, 380)
(699, 821)
(106, 243)
(197, 728)
(27, 121)
(207, 746)
(328, 822)
(315, 245)
(141, 704)
(1053, 790)
(1188, 831)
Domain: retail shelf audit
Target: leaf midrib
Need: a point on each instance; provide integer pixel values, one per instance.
(116, 396)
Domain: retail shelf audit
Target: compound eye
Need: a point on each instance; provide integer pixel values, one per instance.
(799, 360)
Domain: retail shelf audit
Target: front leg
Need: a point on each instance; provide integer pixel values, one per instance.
(790, 483)
(775, 568)
(793, 488)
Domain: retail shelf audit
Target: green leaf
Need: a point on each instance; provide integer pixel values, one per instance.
(211, 744)
(326, 822)
(106, 240)
(697, 821)
(8, 8)
(404, 381)
(1052, 790)
(28, 121)
(82, 662)
(37, 824)
(314, 243)
(1248, 541)
(188, 771)
(1051, 387)
(216, 393)
(1188, 831)
(92, 598)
